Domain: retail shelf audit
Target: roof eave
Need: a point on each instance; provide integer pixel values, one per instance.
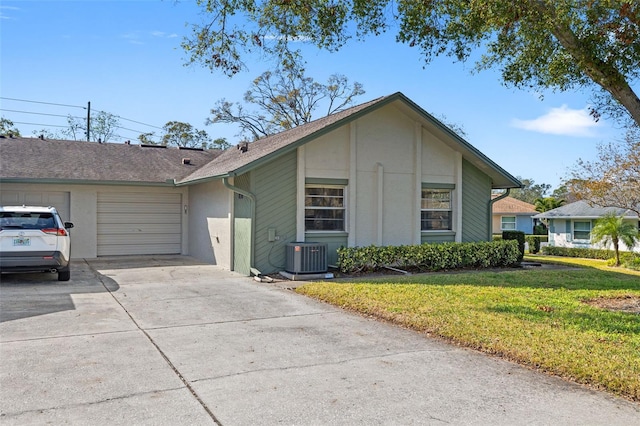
(168, 182)
(512, 182)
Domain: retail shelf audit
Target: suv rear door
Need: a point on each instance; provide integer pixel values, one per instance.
(28, 232)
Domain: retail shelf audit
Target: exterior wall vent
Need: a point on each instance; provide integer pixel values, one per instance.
(306, 258)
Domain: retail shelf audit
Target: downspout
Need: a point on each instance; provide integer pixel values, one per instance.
(493, 200)
(252, 198)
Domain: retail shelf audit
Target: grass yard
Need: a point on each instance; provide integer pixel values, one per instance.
(548, 319)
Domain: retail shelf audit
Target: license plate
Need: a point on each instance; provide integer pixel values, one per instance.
(23, 241)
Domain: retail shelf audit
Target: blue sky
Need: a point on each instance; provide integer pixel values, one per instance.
(125, 58)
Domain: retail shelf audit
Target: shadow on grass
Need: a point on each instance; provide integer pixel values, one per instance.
(570, 278)
(582, 319)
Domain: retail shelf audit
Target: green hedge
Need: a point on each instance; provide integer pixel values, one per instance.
(429, 257)
(585, 253)
(519, 237)
(534, 242)
(588, 253)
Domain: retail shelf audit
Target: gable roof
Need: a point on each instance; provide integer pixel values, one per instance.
(28, 159)
(514, 206)
(234, 162)
(582, 210)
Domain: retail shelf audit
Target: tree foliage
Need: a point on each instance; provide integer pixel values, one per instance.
(556, 44)
(102, 127)
(531, 190)
(7, 128)
(182, 134)
(612, 229)
(548, 203)
(613, 179)
(563, 192)
(284, 99)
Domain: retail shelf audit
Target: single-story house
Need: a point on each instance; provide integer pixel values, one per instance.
(511, 214)
(570, 225)
(384, 172)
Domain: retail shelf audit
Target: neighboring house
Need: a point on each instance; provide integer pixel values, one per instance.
(511, 214)
(571, 224)
(384, 172)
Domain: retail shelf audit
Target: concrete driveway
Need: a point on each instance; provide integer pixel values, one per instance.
(170, 341)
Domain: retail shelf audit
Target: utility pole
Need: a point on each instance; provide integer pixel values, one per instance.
(88, 120)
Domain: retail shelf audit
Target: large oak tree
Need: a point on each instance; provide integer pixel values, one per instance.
(548, 44)
(283, 99)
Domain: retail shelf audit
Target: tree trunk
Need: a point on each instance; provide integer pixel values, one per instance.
(600, 72)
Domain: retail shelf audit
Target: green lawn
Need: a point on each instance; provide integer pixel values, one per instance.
(536, 317)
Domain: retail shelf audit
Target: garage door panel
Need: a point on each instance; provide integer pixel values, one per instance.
(116, 218)
(137, 197)
(123, 239)
(138, 208)
(139, 223)
(126, 249)
(11, 198)
(59, 200)
(138, 228)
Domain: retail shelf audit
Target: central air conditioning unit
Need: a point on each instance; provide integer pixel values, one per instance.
(306, 258)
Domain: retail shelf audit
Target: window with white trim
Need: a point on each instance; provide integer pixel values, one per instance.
(324, 208)
(582, 230)
(508, 223)
(435, 211)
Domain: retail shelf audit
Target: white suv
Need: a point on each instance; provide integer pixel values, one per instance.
(34, 239)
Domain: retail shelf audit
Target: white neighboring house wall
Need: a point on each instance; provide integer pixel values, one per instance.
(561, 238)
(83, 208)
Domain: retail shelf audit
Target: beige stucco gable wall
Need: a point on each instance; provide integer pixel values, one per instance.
(385, 156)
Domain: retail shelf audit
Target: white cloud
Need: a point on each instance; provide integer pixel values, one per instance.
(162, 34)
(5, 8)
(561, 121)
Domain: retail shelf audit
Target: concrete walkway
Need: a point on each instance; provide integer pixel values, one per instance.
(170, 341)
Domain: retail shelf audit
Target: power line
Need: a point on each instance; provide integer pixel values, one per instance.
(40, 113)
(40, 102)
(137, 122)
(65, 116)
(38, 124)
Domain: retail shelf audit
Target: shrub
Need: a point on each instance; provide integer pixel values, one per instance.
(518, 236)
(429, 257)
(586, 253)
(540, 229)
(534, 242)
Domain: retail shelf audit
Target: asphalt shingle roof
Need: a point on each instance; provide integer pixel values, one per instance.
(582, 209)
(513, 205)
(56, 160)
(233, 160)
(32, 158)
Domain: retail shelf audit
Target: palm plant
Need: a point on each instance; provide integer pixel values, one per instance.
(548, 203)
(611, 229)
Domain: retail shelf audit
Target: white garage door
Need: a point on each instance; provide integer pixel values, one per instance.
(139, 223)
(59, 200)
